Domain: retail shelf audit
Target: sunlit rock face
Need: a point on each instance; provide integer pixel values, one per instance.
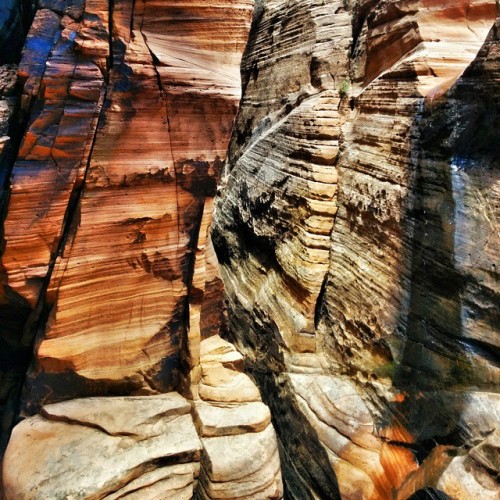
(132, 109)
(355, 234)
(108, 267)
(357, 241)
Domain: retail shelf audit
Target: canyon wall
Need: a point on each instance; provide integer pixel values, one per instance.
(357, 236)
(111, 299)
(354, 262)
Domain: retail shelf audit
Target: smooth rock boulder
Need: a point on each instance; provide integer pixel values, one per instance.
(104, 447)
(224, 419)
(240, 456)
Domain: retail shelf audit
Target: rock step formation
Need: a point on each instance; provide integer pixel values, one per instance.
(105, 448)
(240, 451)
(160, 446)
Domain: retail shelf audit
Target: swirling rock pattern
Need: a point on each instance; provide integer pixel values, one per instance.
(357, 244)
(108, 265)
(356, 231)
(110, 199)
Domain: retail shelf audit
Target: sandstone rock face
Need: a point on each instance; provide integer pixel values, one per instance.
(139, 214)
(158, 447)
(356, 231)
(357, 242)
(107, 263)
(106, 232)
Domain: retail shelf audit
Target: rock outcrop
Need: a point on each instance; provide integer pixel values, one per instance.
(149, 445)
(122, 221)
(221, 445)
(357, 242)
(110, 195)
(143, 447)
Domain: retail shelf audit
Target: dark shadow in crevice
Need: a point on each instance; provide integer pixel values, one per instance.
(429, 494)
(305, 466)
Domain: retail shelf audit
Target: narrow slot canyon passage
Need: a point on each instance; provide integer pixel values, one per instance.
(249, 249)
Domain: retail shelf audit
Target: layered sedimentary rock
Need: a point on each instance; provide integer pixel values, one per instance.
(108, 266)
(221, 445)
(240, 452)
(107, 214)
(149, 444)
(357, 240)
(356, 230)
(48, 172)
(153, 165)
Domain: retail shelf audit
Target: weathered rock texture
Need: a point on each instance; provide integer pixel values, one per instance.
(356, 229)
(149, 445)
(111, 244)
(108, 271)
(143, 447)
(357, 233)
(110, 193)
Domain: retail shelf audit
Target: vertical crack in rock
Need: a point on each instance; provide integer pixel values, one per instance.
(356, 235)
(46, 41)
(135, 292)
(163, 94)
(189, 256)
(13, 124)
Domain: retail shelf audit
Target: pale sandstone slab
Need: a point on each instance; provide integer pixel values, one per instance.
(240, 455)
(111, 415)
(265, 483)
(174, 482)
(243, 466)
(474, 475)
(217, 419)
(217, 350)
(97, 448)
(223, 384)
(336, 402)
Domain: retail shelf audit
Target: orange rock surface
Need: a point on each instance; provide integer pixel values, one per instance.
(352, 262)
(355, 238)
(111, 193)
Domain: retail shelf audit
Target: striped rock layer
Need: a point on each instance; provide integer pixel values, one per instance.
(356, 232)
(107, 272)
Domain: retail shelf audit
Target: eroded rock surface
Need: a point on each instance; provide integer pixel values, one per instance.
(240, 450)
(106, 257)
(356, 231)
(159, 447)
(358, 249)
(107, 262)
(147, 443)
